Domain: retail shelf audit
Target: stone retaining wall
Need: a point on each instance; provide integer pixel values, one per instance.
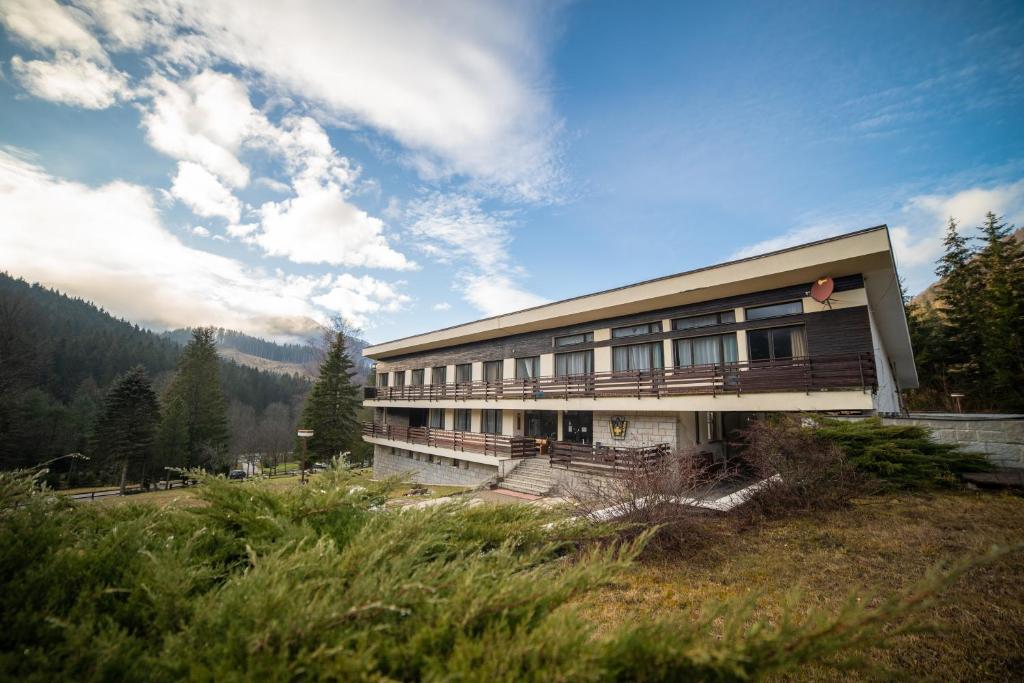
(422, 468)
(1001, 439)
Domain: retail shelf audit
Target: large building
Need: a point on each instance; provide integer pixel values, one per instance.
(678, 363)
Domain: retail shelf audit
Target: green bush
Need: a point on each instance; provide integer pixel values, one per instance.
(323, 582)
(904, 456)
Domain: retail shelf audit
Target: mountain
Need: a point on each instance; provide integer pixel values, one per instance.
(59, 354)
(288, 359)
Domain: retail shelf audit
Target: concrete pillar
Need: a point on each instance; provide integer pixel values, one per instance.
(547, 364)
(474, 418)
(741, 338)
(478, 371)
(509, 369)
(449, 374)
(603, 359)
(561, 426)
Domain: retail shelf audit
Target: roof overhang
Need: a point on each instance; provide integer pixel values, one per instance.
(867, 251)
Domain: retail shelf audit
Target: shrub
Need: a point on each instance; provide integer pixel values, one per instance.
(902, 456)
(813, 473)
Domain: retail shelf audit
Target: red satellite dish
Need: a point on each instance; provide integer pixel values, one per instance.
(822, 289)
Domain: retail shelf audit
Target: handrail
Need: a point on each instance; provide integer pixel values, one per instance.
(806, 373)
(566, 454)
(473, 442)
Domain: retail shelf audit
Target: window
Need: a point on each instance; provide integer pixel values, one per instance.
(575, 363)
(573, 339)
(528, 368)
(417, 377)
(400, 378)
(775, 310)
(719, 348)
(636, 330)
(382, 379)
(493, 370)
(464, 373)
(490, 421)
(462, 420)
(438, 375)
(437, 418)
(777, 342)
(695, 321)
(638, 357)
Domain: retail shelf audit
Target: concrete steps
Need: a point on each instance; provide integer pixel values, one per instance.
(532, 475)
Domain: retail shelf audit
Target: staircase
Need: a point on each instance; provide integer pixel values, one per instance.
(532, 475)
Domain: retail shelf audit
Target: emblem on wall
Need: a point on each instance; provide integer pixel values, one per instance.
(619, 427)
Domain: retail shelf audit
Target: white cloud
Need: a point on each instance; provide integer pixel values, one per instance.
(442, 306)
(271, 184)
(356, 298)
(320, 226)
(47, 25)
(462, 89)
(107, 243)
(203, 193)
(200, 231)
(917, 225)
(452, 227)
(72, 80)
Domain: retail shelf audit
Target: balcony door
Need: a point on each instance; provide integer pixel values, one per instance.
(579, 426)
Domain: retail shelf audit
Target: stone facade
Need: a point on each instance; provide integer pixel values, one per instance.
(1001, 439)
(644, 429)
(422, 468)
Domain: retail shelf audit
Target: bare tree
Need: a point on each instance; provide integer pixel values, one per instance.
(276, 433)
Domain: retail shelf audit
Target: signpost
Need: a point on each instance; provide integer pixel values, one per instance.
(304, 434)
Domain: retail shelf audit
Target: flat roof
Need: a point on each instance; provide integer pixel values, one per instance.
(867, 251)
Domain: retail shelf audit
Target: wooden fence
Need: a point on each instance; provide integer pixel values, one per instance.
(473, 442)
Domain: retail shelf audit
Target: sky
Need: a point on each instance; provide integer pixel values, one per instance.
(413, 165)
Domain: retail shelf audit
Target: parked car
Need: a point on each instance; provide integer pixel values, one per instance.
(237, 474)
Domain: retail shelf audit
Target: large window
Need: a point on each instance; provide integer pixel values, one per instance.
(493, 370)
(718, 348)
(464, 373)
(439, 375)
(708, 320)
(437, 418)
(777, 342)
(575, 363)
(636, 330)
(462, 420)
(400, 378)
(573, 339)
(490, 421)
(417, 377)
(382, 379)
(528, 368)
(638, 357)
(775, 310)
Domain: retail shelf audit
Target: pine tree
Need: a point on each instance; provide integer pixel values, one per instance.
(331, 408)
(958, 290)
(125, 431)
(1001, 323)
(196, 399)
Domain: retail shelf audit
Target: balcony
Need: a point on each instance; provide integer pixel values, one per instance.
(817, 373)
(473, 442)
(605, 458)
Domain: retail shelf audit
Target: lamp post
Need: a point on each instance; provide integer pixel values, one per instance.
(304, 434)
(956, 399)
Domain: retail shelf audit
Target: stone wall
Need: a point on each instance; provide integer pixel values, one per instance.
(645, 429)
(422, 468)
(1000, 438)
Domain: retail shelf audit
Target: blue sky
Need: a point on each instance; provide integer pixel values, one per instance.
(414, 165)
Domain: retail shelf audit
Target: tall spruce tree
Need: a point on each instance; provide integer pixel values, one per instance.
(331, 407)
(958, 290)
(1001, 320)
(125, 431)
(196, 412)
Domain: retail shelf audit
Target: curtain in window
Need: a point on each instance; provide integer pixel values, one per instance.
(439, 375)
(707, 350)
(798, 342)
(577, 363)
(492, 371)
(464, 373)
(729, 353)
(462, 420)
(527, 368)
(720, 348)
(437, 418)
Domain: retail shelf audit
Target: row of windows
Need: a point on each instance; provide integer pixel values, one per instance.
(490, 420)
(787, 342)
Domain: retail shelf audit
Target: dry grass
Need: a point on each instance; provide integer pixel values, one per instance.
(881, 545)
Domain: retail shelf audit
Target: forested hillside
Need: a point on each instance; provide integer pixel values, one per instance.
(59, 355)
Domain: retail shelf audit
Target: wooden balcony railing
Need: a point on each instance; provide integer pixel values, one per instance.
(817, 373)
(566, 454)
(473, 442)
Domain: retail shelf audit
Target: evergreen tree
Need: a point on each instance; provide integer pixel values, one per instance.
(196, 399)
(1001, 314)
(125, 431)
(331, 408)
(958, 290)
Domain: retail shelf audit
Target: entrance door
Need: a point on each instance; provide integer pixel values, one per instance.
(579, 426)
(541, 424)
